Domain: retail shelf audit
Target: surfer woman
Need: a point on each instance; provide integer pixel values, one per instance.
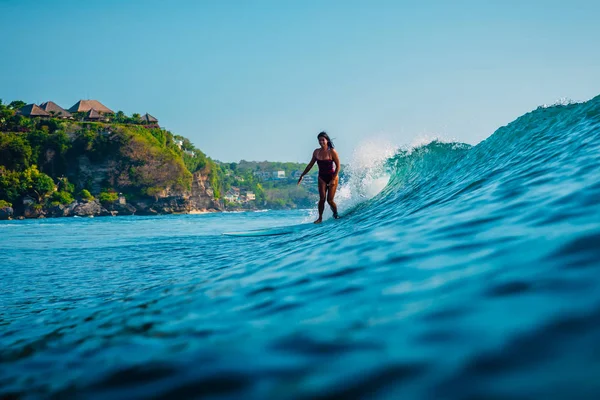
(325, 157)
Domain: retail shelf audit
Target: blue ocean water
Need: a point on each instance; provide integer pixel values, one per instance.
(473, 274)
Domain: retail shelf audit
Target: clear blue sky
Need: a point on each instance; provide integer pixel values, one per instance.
(258, 80)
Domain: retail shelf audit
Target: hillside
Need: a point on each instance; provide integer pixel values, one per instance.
(52, 166)
(273, 183)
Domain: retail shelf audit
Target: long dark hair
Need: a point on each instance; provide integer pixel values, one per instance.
(326, 136)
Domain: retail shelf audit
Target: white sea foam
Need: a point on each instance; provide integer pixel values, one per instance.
(563, 101)
(424, 139)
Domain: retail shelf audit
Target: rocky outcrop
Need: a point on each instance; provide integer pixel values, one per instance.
(201, 197)
(33, 211)
(87, 208)
(167, 205)
(6, 213)
(117, 208)
(91, 175)
(59, 210)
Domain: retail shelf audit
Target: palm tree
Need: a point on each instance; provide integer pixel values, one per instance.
(120, 117)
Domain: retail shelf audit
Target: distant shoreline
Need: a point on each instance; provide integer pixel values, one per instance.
(106, 213)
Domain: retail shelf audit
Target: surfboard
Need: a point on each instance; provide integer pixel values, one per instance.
(282, 230)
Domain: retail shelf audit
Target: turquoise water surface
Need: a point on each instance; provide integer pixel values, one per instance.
(473, 274)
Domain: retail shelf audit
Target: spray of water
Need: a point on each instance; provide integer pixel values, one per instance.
(563, 101)
(423, 140)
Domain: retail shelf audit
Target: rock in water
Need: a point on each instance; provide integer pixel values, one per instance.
(86, 209)
(59, 211)
(120, 209)
(33, 211)
(6, 212)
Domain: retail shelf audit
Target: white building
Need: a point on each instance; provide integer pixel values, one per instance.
(250, 196)
(279, 174)
(233, 195)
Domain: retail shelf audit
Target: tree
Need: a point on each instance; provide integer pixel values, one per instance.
(36, 182)
(5, 113)
(86, 195)
(15, 105)
(64, 185)
(79, 115)
(108, 196)
(120, 117)
(15, 151)
(11, 187)
(62, 197)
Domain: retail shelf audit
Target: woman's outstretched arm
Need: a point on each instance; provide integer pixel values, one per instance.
(308, 167)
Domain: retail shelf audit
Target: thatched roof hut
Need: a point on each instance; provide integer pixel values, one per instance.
(93, 115)
(148, 119)
(32, 110)
(54, 109)
(87, 105)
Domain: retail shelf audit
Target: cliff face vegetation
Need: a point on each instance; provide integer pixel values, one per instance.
(146, 163)
(52, 166)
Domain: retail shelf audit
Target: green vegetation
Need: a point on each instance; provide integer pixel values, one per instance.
(15, 185)
(251, 176)
(86, 195)
(108, 197)
(61, 197)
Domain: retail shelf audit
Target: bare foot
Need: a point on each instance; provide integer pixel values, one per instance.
(318, 221)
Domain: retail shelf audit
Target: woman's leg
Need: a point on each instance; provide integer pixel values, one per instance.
(322, 196)
(331, 195)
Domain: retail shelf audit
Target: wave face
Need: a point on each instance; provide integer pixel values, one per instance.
(474, 273)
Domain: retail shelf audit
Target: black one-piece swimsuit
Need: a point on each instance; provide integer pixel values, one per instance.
(326, 170)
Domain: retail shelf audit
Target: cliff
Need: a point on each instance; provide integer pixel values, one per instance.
(54, 168)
